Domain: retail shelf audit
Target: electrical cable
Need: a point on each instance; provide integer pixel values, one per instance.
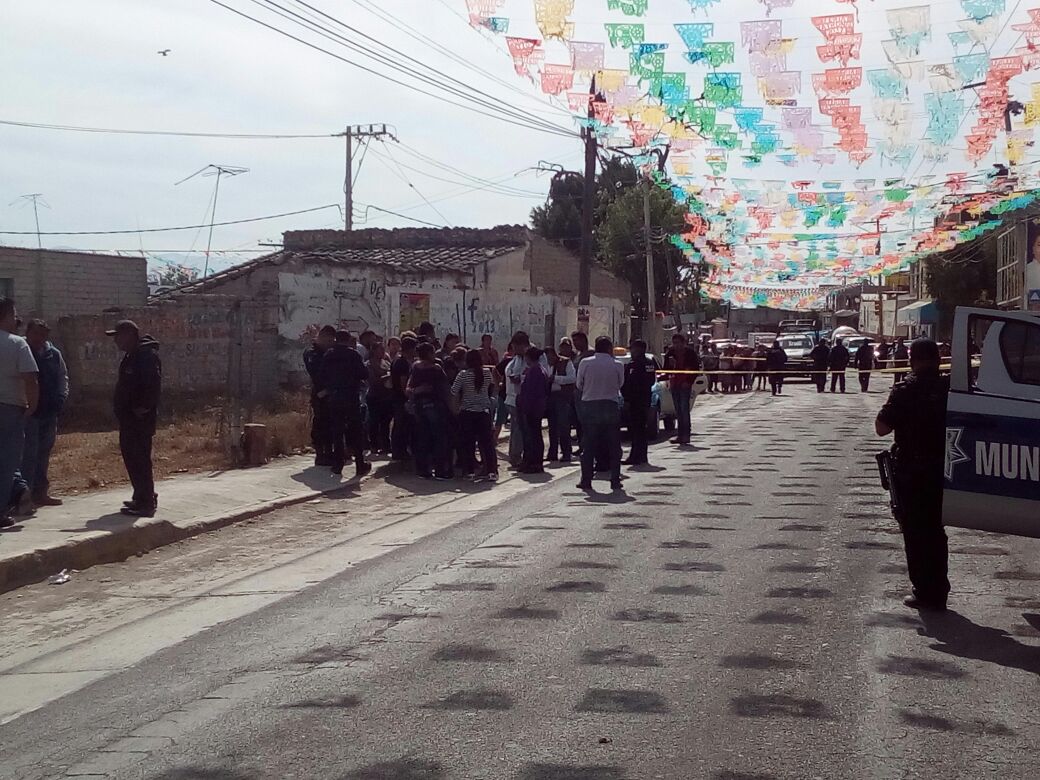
(506, 116)
(404, 177)
(165, 229)
(490, 186)
(399, 53)
(396, 214)
(186, 134)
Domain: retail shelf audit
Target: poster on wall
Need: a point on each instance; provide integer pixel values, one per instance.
(415, 310)
(1032, 280)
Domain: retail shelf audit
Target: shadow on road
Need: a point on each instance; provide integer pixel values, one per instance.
(959, 636)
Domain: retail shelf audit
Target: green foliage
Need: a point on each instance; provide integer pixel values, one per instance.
(960, 278)
(619, 233)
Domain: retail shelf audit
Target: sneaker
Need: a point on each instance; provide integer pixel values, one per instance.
(440, 478)
(584, 486)
(6, 521)
(616, 486)
(913, 602)
(492, 477)
(46, 500)
(363, 468)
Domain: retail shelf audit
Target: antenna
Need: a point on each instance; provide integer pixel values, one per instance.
(218, 171)
(37, 201)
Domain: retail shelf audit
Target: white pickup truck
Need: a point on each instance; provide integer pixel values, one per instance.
(992, 466)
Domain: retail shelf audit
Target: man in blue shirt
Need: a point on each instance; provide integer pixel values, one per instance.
(41, 429)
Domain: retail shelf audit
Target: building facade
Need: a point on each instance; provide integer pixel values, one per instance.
(464, 281)
(50, 284)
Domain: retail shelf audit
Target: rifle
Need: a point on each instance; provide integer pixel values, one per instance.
(886, 471)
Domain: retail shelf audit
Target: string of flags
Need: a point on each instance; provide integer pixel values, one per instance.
(812, 143)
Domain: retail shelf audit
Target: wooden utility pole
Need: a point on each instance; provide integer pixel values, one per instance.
(350, 133)
(587, 205)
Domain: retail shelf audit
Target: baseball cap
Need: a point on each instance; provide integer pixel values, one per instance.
(123, 326)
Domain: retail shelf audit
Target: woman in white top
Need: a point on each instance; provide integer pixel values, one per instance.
(561, 400)
(476, 396)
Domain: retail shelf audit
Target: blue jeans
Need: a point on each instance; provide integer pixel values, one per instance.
(600, 433)
(40, 434)
(681, 399)
(12, 441)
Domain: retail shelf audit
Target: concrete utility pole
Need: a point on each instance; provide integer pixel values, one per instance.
(350, 133)
(37, 200)
(651, 288)
(587, 205)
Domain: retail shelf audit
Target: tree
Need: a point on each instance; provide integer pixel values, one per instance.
(618, 229)
(622, 246)
(959, 278)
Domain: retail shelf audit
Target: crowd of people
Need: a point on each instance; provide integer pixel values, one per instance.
(443, 405)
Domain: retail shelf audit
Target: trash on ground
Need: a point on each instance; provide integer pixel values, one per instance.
(60, 578)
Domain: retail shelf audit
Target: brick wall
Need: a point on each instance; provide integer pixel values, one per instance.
(73, 282)
(197, 336)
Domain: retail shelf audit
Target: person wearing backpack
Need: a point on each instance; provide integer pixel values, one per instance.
(531, 403)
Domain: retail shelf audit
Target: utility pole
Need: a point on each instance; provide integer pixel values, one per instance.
(366, 132)
(651, 289)
(587, 206)
(218, 171)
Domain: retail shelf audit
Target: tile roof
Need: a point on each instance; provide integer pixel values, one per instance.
(418, 249)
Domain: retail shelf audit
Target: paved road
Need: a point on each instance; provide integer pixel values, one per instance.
(734, 615)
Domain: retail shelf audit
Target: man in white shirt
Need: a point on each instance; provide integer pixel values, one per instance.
(599, 382)
(19, 393)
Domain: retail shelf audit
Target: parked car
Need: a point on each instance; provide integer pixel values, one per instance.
(797, 347)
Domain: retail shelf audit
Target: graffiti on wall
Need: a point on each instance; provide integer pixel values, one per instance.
(414, 310)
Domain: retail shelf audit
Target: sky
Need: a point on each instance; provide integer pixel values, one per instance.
(97, 65)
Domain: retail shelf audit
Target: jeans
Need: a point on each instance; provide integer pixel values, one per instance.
(820, 378)
(135, 444)
(681, 399)
(600, 432)
(864, 381)
(560, 425)
(477, 433)
(346, 430)
(534, 445)
(838, 380)
(516, 436)
(40, 434)
(432, 447)
(12, 441)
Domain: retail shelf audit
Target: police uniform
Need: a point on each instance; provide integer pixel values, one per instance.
(341, 375)
(916, 411)
(638, 393)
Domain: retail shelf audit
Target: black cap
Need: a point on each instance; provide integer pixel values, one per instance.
(124, 326)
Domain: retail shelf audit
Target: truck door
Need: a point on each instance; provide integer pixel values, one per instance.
(992, 467)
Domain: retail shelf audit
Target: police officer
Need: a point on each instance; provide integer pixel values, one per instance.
(838, 361)
(864, 359)
(319, 417)
(637, 392)
(916, 412)
(820, 357)
(341, 375)
(136, 404)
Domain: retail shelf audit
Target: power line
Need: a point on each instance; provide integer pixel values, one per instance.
(497, 188)
(166, 229)
(507, 116)
(369, 207)
(404, 177)
(181, 133)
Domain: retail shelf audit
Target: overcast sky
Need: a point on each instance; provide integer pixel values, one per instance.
(96, 64)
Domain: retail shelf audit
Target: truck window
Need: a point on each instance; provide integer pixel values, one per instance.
(1020, 348)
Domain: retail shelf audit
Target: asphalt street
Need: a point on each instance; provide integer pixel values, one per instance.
(734, 614)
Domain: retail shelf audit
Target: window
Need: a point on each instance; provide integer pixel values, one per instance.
(1009, 271)
(1020, 348)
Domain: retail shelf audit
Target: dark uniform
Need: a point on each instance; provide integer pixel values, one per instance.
(864, 362)
(820, 356)
(839, 361)
(341, 375)
(916, 411)
(776, 363)
(637, 391)
(136, 405)
(900, 359)
(319, 416)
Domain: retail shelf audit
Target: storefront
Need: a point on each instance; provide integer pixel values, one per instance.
(919, 318)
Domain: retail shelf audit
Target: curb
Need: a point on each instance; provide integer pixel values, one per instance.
(100, 547)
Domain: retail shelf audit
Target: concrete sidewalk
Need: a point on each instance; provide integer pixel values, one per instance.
(89, 529)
